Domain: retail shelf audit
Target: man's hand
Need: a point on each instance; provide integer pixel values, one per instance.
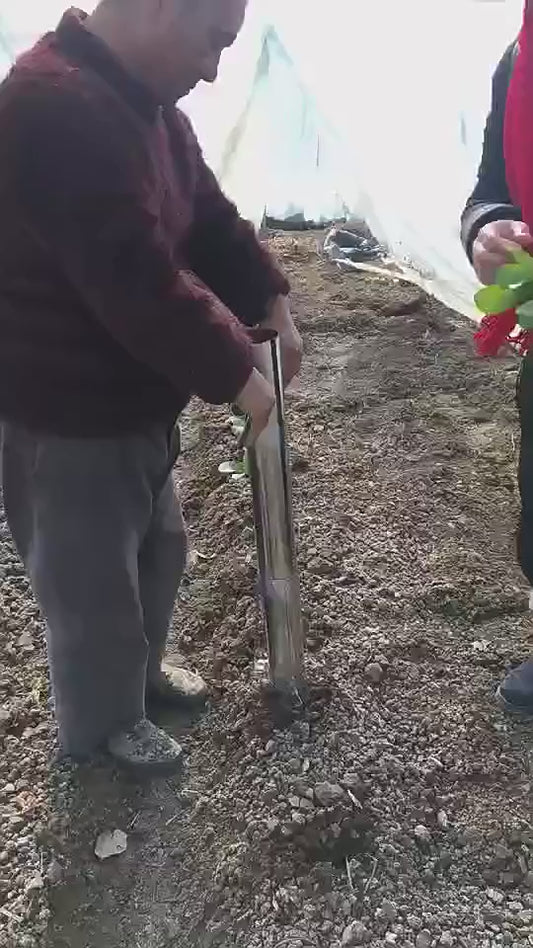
(279, 318)
(256, 400)
(494, 244)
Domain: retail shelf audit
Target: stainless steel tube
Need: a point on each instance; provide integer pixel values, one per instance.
(270, 475)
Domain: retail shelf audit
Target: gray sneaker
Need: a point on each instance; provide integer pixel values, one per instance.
(175, 686)
(146, 749)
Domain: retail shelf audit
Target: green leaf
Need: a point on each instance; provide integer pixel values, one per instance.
(494, 299)
(524, 315)
(525, 260)
(523, 293)
(512, 275)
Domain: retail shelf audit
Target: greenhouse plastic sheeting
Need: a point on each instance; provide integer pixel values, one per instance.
(374, 110)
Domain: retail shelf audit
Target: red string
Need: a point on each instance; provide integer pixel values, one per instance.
(495, 331)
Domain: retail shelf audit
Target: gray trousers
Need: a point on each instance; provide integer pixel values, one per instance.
(101, 533)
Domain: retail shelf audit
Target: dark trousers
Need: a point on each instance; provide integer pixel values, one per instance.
(101, 533)
(525, 470)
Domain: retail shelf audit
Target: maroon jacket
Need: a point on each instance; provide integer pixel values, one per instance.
(126, 277)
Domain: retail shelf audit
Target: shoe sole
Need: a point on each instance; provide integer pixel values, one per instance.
(512, 708)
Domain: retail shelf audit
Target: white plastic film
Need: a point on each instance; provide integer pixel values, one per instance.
(371, 109)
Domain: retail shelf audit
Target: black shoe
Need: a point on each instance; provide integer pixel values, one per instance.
(516, 691)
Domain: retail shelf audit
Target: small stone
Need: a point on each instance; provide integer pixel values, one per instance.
(442, 819)
(25, 640)
(374, 672)
(447, 940)
(424, 939)
(469, 836)
(111, 844)
(26, 941)
(301, 787)
(414, 922)
(320, 567)
(35, 884)
(389, 910)
(54, 873)
(355, 785)
(355, 934)
(273, 825)
(435, 763)
(328, 794)
(492, 917)
(306, 804)
(270, 747)
(495, 896)
(422, 835)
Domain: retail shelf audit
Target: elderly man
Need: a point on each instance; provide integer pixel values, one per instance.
(127, 281)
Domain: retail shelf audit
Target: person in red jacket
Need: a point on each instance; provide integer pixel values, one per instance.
(127, 283)
(497, 219)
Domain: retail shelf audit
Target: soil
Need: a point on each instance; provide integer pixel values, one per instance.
(394, 808)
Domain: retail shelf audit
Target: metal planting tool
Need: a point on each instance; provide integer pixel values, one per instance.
(270, 475)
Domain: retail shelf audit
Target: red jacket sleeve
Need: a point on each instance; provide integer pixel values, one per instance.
(79, 186)
(224, 249)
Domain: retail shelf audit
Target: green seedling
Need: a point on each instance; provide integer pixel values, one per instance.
(513, 290)
(235, 469)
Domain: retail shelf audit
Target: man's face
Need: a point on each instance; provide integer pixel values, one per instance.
(192, 35)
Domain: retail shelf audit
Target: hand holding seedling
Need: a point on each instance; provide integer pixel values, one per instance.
(494, 246)
(513, 290)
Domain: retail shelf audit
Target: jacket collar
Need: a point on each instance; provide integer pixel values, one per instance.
(82, 48)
